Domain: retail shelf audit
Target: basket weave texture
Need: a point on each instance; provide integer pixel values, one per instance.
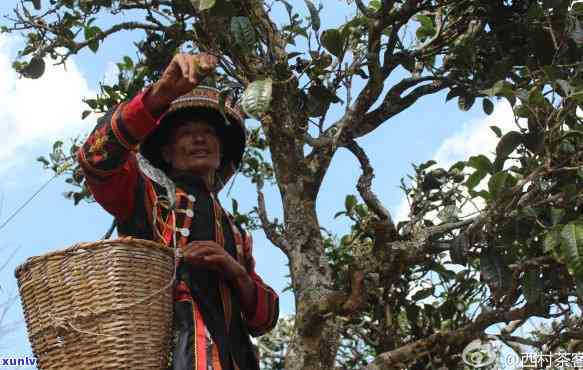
(103, 305)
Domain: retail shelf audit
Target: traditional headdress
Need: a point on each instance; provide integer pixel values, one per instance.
(202, 101)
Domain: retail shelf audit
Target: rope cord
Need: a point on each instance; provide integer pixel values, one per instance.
(19, 209)
(59, 172)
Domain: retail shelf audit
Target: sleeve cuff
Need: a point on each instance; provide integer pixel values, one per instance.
(136, 118)
(258, 317)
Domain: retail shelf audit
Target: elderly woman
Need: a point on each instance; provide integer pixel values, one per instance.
(156, 163)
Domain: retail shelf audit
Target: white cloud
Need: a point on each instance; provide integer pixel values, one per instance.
(402, 212)
(475, 138)
(35, 113)
(111, 73)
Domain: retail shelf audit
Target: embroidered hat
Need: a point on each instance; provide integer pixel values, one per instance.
(202, 101)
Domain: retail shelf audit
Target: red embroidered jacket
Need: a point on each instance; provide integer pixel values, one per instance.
(108, 159)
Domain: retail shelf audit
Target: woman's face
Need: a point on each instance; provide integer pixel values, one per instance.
(193, 147)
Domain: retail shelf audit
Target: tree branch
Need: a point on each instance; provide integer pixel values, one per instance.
(269, 227)
(364, 188)
(364, 9)
(394, 104)
(405, 355)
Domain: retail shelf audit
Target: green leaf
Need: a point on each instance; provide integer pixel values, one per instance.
(449, 213)
(533, 287)
(481, 163)
(243, 34)
(572, 248)
(557, 215)
(346, 240)
(465, 102)
(535, 141)
(535, 12)
(498, 164)
(567, 147)
(288, 7)
(426, 165)
(494, 272)
(443, 272)
(475, 178)
(529, 211)
(43, 160)
(201, 5)
(91, 32)
(459, 249)
(488, 106)
(361, 210)
(508, 143)
(85, 114)
(92, 103)
(451, 94)
(374, 5)
(551, 72)
(412, 312)
(423, 293)
(350, 202)
(448, 309)
(496, 130)
(522, 111)
(426, 28)
(93, 46)
(223, 8)
(256, 99)
(498, 183)
(314, 15)
(501, 88)
(577, 7)
(535, 96)
(565, 87)
(333, 41)
(549, 4)
(323, 94)
(459, 165)
(129, 63)
(552, 242)
(33, 69)
(425, 20)
(424, 32)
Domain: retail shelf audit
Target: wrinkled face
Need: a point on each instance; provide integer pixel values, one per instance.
(193, 147)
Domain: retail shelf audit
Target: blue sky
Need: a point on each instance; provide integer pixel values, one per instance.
(35, 113)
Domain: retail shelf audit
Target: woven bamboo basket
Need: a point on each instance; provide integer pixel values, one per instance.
(103, 305)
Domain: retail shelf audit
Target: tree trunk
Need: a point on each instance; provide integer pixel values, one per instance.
(315, 340)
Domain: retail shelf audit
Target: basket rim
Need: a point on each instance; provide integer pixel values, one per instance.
(90, 246)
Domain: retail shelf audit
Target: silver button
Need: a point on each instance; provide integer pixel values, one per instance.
(189, 213)
(191, 197)
(184, 232)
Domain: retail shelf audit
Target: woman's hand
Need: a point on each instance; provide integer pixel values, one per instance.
(209, 254)
(182, 75)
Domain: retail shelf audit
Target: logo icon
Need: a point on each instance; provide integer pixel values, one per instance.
(478, 354)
